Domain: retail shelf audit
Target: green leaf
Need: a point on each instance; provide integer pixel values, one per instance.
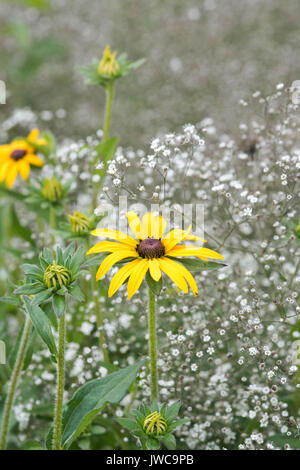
(172, 411)
(127, 423)
(89, 399)
(41, 324)
(282, 439)
(59, 304)
(199, 265)
(33, 445)
(106, 150)
(155, 286)
(29, 289)
(77, 260)
(45, 294)
(178, 423)
(94, 261)
(77, 293)
(169, 442)
(33, 270)
(152, 444)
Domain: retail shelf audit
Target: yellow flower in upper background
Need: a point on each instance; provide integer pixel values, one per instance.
(17, 157)
(109, 65)
(150, 252)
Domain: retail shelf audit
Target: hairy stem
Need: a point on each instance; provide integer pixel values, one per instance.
(14, 382)
(108, 109)
(60, 384)
(152, 345)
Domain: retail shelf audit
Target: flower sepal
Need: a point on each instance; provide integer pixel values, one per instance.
(49, 192)
(154, 425)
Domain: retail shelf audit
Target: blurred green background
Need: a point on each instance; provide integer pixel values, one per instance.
(202, 58)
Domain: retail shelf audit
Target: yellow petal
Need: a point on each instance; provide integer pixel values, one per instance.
(147, 225)
(110, 260)
(137, 276)
(183, 250)
(24, 170)
(120, 277)
(154, 269)
(134, 223)
(171, 269)
(105, 246)
(11, 175)
(159, 227)
(4, 167)
(187, 276)
(4, 151)
(33, 135)
(174, 237)
(33, 160)
(115, 235)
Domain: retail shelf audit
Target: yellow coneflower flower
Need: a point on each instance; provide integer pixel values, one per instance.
(17, 157)
(109, 65)
(151, 252)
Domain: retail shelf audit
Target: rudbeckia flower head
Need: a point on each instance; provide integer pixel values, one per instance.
(149, 251)
(109, 66)
(17, 157)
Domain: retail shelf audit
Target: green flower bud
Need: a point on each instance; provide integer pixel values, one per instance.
(57, 276)
(79, 222)
(155, 424)
(52, 189)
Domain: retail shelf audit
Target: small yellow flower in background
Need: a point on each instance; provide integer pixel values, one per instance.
(150, 252)
(109, 65)
(79, 222)
(52, 189)
(17, 157)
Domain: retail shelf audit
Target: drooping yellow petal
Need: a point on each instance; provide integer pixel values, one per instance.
(134, 223)
(154, 269)
(110, 260)
(111, 247)
(184, 250)
(190, 236)
(24, 170)
(11, 175)
(170, 268)
(33, 135)
(4, 168)
(137, 276)
(114, 235)
(186, 274)
(120, 277)
(33, 159)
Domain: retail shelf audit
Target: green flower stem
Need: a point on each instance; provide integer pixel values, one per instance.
(108, 109)
(60, 384)
(14, 382)
(52, 222)
(152, 345)
(99, 318)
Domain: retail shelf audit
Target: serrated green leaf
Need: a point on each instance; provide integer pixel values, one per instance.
(42, 296)
(77, 293)
(127, 423)
(169, 442)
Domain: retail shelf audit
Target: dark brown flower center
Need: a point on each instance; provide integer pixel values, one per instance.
(151, 248)
(18, 154)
